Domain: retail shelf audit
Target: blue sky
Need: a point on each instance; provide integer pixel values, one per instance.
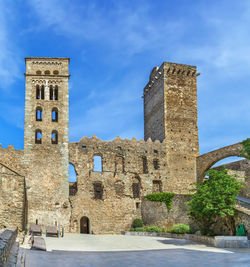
(113, 46)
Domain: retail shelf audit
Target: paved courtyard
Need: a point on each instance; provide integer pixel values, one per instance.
(119, 250)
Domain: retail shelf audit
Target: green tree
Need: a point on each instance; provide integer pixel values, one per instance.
(213, 198)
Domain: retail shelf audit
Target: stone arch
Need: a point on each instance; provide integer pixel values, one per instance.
(206, 161)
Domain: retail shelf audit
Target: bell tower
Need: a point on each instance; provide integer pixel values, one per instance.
(46, 140)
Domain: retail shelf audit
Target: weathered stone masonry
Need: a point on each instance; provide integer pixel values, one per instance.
(35, 185)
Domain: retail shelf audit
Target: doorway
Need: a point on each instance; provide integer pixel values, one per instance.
(84, 225)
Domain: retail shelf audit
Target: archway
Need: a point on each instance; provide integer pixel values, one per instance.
(206, 161)
(84, 225)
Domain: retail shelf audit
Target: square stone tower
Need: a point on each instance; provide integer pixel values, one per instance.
(170, 115)
(46, 140)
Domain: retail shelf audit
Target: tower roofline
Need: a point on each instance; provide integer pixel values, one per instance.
(57, 58)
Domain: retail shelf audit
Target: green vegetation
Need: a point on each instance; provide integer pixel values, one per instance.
(150, 228)
(246, 148)
(213, 198)
(137, 223)
(162, 197)
(180, 229)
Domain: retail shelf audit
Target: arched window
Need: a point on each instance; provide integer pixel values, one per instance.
(38, 92)
(56, 92)
(47, 72)
(39, 114)
(54, 115)
(38, 72)
(54, 137)
(55, 72)
(38, 137)
(42, 92)
(51, 92)
(97, 163)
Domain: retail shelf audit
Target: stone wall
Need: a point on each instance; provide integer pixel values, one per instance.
(12, 199)
(123, 164)
(156, 213)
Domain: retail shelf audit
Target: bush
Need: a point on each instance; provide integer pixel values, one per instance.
(153, 229)
(139, 229)
(137, 223)
(180, 229)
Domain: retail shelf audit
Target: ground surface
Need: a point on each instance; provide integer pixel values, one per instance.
(119, 250)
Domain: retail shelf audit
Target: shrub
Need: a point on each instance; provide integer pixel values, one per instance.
(162, 197)
(180, 229)
(137, 223)
(214, 198)
(139, 229)
(153, 229)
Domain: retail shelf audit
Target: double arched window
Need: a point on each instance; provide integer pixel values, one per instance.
(40, 92)
(38, 136)
(54, 137)
(39, 114)
(53, 92)
(54, 115)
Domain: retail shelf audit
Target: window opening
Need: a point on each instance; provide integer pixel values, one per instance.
(157, 186)
(56, 93)
(98, 190)
(42, 92)
(47, 72)
(54, 137)
(38, 96)
(97, 163)
(38, 137)
(72, 180)
(136, 188)
(156, 164)
(54, 115)
(84, 147)
(39, 114)
(51, 92)
(119, 164)
(38, 72)
(145, 165)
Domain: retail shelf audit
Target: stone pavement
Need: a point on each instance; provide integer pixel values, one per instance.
(132, 251)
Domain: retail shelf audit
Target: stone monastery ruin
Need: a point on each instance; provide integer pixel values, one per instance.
(35, 185)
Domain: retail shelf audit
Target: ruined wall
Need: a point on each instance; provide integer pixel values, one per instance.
(170, 114)
(123, 164)
(12, 158)
(12, 199)
(45, 154)
(156, 213)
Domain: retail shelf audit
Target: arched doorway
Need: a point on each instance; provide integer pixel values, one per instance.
(84, 225)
